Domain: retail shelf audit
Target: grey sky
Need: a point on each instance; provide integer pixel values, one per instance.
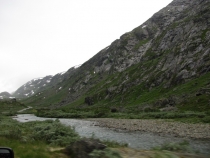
(45, 37)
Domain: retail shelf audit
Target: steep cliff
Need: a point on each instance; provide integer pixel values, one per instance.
(162, 63)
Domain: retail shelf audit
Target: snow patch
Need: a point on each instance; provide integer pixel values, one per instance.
(26, 94)
(77, 66)
(107, 48)
(60, 88)
(62, 73)
(12, 97)
(144, 26)
(44, 85)
(36, 79)
(48, 81)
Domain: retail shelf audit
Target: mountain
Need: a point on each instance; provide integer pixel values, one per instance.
(5, 95)
(39, 84)
(163, 63)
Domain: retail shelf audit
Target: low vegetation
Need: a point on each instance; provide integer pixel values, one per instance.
(39, 138)
(10, 107)
(35, 139)
(187, 116)
(106, 153)
(177, 147)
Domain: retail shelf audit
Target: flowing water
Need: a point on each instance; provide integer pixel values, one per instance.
(138, 140)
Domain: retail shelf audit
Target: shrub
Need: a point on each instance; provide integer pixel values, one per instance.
(181, 147)
(106, 153)
(54, 133)
(206, 119)
(10, 129)
(113, 144)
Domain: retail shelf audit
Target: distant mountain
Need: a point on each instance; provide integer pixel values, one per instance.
(162, 63)
(39, 84)
(32, 87)
(5, 95)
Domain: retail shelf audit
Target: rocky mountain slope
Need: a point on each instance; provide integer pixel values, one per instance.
(163, 63)
(36, 86)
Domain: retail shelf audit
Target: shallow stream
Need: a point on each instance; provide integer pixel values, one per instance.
(138, 140)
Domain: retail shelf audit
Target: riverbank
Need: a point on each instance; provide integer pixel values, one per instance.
(144, 140)
(161, 127)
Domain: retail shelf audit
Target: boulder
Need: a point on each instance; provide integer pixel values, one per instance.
(89, 100)
(83, 147)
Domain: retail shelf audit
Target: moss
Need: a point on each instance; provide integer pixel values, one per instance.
(203, 35)
(139, 44)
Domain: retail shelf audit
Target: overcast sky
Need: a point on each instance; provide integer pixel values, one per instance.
(45, 37)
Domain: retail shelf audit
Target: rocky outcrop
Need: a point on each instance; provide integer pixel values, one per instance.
(177, 38)
(83, 147)
(169, 49)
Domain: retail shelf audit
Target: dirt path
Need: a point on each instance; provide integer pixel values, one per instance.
(29, 107)
(178, 129)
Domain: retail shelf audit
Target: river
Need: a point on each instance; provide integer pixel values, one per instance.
(137, 140)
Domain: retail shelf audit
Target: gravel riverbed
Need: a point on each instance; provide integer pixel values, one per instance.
(177, 129)
(138, 134)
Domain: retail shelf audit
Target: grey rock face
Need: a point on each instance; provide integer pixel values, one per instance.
(170, 48)
(176, 39)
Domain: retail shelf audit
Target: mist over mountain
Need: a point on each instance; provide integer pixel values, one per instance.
(163, 63)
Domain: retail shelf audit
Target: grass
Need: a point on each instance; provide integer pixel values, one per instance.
(106, 153)
(187, 116)
(142, 42)
(10, 107)
(35, 139)
(31, 149)
(133, 95)
(176, 147)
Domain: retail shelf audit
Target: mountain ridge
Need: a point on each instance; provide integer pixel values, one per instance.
(168, 51)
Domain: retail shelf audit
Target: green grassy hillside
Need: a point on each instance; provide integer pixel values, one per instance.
(161, 66)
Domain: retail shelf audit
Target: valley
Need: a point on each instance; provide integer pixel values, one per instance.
(149, 87)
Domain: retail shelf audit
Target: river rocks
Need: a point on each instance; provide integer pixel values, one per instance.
(83, 147)
(197, 131)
